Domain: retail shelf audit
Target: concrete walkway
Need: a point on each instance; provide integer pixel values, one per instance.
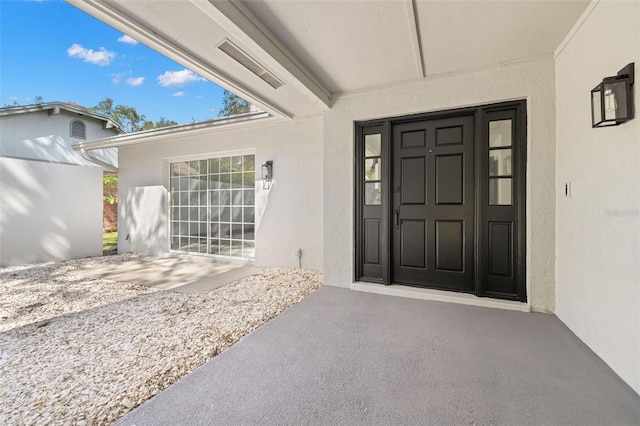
(342, 357)
(179, 273)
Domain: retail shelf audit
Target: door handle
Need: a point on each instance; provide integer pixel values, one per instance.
(396, 217)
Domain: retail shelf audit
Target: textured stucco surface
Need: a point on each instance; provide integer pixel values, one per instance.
(533, 81)
(40, 136)
(598, 227)
(289, 215)
(49, 211)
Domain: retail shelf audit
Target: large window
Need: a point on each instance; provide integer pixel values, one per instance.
(213, 206)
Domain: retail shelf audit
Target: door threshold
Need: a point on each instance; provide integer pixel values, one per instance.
(439, 295)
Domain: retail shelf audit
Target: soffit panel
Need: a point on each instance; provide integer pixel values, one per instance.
(464, 35)
(167, 19)
(186, 28)
(347, 45)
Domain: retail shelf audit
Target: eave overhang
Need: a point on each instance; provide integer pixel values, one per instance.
(153, 135)
(304, 94)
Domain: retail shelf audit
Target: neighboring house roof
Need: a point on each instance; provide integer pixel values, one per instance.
(55, 108)
(45, 132)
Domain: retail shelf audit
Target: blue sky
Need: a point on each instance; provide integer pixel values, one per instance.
(51, 49)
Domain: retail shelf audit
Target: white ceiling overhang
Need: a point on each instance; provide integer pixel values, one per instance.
(318, 49)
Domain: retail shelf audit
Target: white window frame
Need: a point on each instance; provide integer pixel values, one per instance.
(201, 238)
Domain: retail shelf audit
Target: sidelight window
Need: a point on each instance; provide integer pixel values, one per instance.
(213, 206)
(372, 164)
(500, 162)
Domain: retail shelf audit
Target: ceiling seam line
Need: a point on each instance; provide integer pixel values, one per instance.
(416, 23)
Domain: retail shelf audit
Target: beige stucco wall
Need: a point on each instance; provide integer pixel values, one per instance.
(598, 227)
(289, 214)
(49, 211)
(533, 81)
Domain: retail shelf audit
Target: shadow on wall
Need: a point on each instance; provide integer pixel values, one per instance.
(55, 148)
(49, 211)
(261, 205)
(144, 221)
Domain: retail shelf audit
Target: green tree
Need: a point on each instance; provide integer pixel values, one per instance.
(233, 105)
(108, 180)
(128, 117)
(163, 122)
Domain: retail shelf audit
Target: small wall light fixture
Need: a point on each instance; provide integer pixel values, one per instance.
(267, 174)
(612, 100)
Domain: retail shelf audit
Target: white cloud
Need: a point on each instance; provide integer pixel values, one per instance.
(100, 57)
(135, 81)
(199, 97)
(178, 78)
(178, 94)
(116, 78)
(126, 39)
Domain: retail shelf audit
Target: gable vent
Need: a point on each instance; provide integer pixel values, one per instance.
(78, 129)
(230, 49)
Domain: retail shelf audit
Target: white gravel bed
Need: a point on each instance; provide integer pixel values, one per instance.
(78, 351)
(31, 293)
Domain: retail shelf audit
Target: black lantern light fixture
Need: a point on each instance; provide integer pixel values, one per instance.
(612, 100)
(267, 174)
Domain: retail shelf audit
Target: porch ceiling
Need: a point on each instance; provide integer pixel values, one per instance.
(320, 48)
(355, 45)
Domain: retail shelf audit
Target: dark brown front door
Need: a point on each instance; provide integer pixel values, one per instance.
(433, 203)
(440, 200)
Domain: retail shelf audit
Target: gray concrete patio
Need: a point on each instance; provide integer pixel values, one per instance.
(179, 273)
(342, 357)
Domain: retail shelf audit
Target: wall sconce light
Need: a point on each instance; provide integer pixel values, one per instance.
(612, 100)
(267, 174)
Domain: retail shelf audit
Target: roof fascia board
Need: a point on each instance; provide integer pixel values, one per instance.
(244, 26)
(209, 126)
(108, 14)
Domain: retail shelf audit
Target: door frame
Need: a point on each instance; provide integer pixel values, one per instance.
(384, 126)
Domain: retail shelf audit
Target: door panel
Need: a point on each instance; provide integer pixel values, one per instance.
(500, 249)
(413, 139)
(450, 245)
(372, 241)
(412, 243)
(449, 175)
(433, 203)
(413, 187)
(449, 135)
